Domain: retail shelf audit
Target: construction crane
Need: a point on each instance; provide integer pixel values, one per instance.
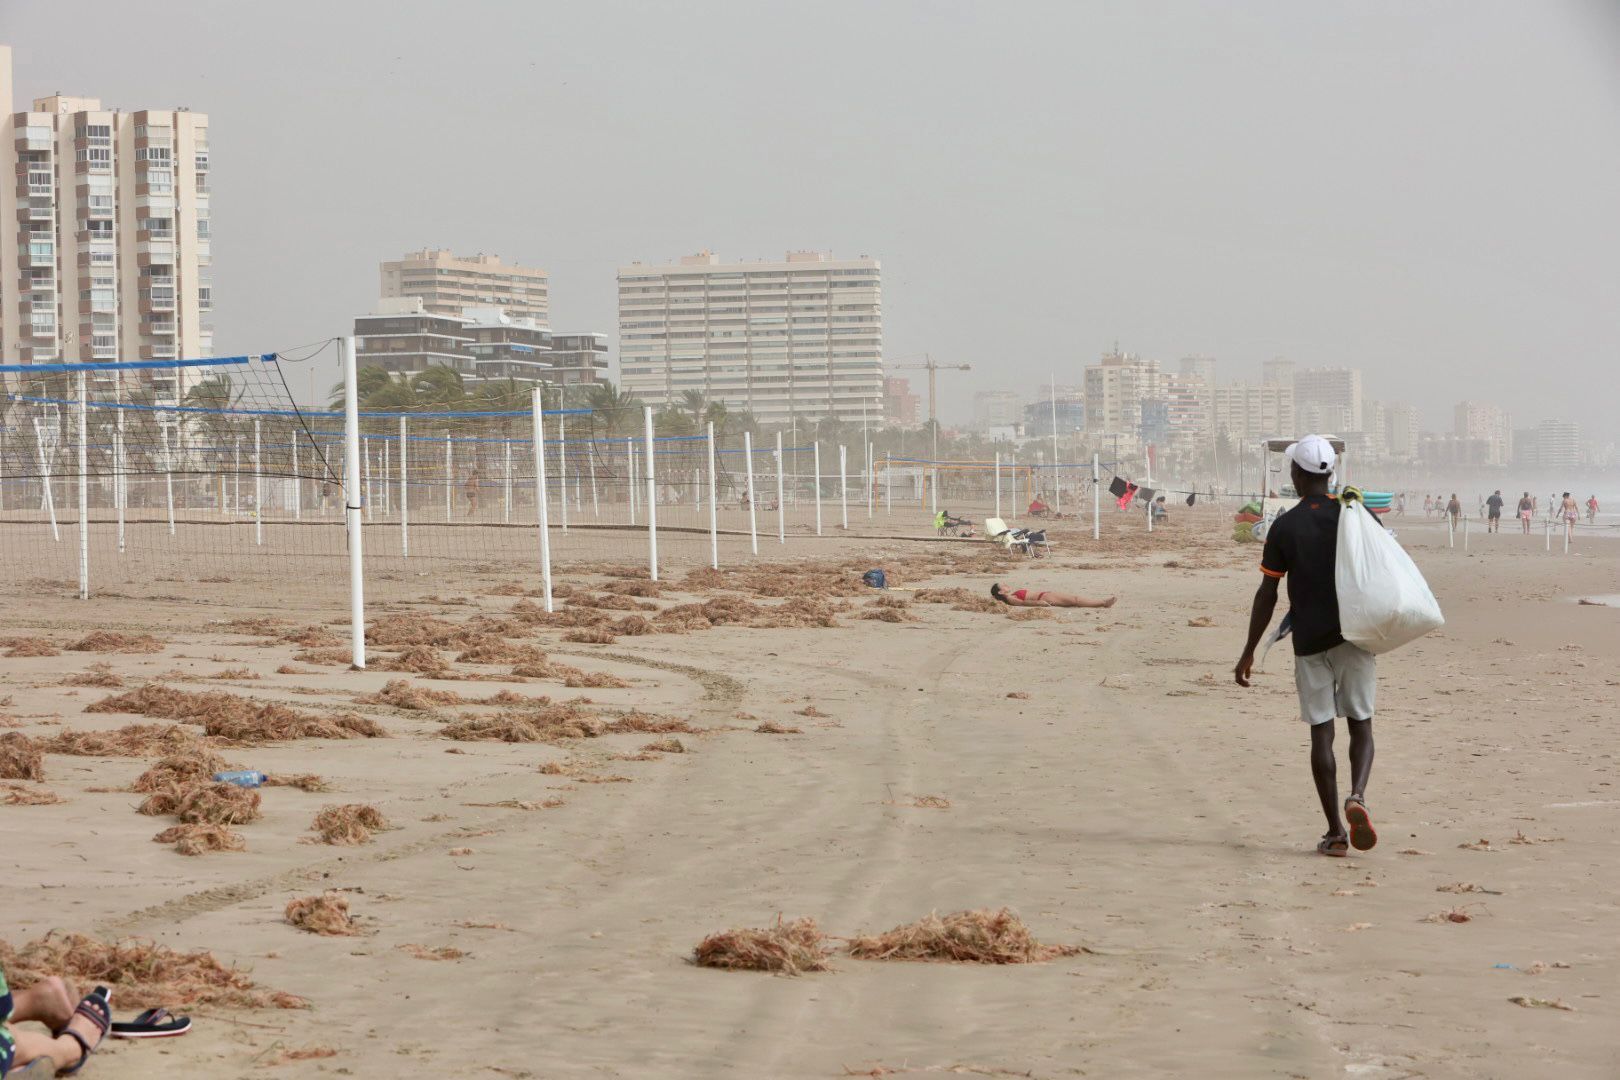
(931, 367)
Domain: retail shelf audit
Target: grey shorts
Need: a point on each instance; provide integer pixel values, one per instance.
(1343, 681)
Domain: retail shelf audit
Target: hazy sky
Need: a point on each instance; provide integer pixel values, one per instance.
(1428, 191)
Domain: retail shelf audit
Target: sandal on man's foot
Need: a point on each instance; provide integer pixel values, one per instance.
(1336, 846)
(97, 1008)
(1362, 835)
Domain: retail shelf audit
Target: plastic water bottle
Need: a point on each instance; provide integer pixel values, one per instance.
(240, 777)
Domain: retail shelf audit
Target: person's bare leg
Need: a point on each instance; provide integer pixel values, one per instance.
(1361, 755)
(50, 1002)
(63, 1050)
(1325, 772)
(1066, 600)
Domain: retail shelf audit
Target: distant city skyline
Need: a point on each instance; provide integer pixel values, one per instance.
(1348, 187)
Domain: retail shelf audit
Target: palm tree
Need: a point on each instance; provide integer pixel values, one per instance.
(614, 412)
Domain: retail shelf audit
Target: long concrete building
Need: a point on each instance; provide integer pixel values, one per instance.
(105, 234)
(448, 283)
(798, 338)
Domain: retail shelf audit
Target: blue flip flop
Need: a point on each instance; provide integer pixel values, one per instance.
(152, 1024)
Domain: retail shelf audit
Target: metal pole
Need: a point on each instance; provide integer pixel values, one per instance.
(84, 492)
(748, 455)
(870, 482)
(120, 484)
(998, 483)
(888, 484)
(652, 499)
(630, 474)
(843, 484)
(351, 503)
(781, 503)
(449, 477)
(818, 487)
(506, 481)
(382, 479)
(404, 490)
(258, 486)
(562, 468)
(366, 450)
(714, 508)
(596, 507)
(540, 497)
(1096, 500)
(298, 480)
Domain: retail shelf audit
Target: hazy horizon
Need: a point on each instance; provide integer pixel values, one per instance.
(1421, 191)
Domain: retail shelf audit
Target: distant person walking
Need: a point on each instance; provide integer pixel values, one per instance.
(1493, 512)
(1400, 505)
(1428, 506)
(1454, 510)
(1527, 511)
(1571, 513)
(1591, 510)
(1332, 676)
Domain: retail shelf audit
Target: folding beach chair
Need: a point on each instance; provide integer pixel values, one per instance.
(1014, 540)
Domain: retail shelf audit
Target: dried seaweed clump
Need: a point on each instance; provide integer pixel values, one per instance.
(22, 795)
(20, 758)
(301, 781)
(401, 631)
(539, 725)
(109, 641)
(670, 745)
(141, 974)
(404, 694)
(351, 823)
(650, 724)
(788, 948)
(99, 675)
(590, 636)
(497, 650)
(193, 766)
(204, 803)
(960, 599)
(326, 914)
(419, 659)
(131, 740)
(30, 646)
(230, 716)
(888, 614)
(962, 937)
(198, 838)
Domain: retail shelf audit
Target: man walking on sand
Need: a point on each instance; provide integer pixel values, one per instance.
(1493, 512)
(1334, 677)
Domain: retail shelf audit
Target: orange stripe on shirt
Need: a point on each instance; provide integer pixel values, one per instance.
(1266, 570)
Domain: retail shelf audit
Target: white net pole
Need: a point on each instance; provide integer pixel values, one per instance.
(449, 477)
(843, 484)
(781, 503)
(871, 481)
(652, 498)
(748, 460)
(630, 475)
(84, 493)
(506, 480)
(258, 486)
(236, 476)
(714, 509)
(1096, 500)
(818, 487)
(562, 468)
(540, 495)
(998, 483)
(382, 480)
(404, 489)
(888, 484)
(596, 507)
(120, 481)
(351, 504)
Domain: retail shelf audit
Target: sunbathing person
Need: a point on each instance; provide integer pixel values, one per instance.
(1044, 598)
(80, 1026)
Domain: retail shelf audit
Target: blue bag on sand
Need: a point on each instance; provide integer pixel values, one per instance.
(876, 579)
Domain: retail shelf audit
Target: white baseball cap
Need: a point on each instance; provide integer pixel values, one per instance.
(1314, 454)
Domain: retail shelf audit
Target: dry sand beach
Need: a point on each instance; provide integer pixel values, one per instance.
(531, 907)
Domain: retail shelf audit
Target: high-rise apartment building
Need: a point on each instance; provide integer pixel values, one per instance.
(1402, 429)
(104, 235)
(1558, 444)
(801, 337)
(1245, 413)
(1115, 387)
(901, 406)
(1328, 399)
(1277, 372)
(1480, 420)
(996, 408)
(448, 283)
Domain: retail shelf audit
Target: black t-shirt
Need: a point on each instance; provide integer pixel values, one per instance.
(1494, 504)
(1301, 545)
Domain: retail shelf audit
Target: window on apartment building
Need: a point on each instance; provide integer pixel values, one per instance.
(93, 132)
(159, 181)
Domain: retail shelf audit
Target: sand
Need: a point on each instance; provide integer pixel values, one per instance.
(1136, 803)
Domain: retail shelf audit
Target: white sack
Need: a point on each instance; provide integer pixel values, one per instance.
(1383, 600)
